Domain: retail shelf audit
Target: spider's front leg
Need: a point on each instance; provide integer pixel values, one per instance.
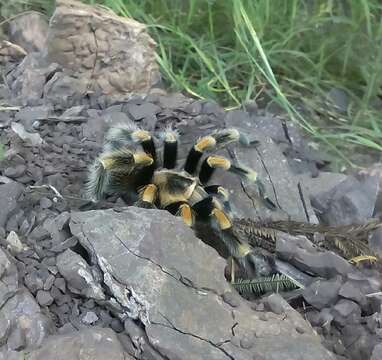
(147, 196)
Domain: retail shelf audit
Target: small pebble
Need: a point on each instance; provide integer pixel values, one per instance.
(44, 298)
(89, 318)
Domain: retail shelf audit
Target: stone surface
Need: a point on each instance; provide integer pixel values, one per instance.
(9, 193)
(29, 31)
(113, 54)
(322, 293)
(78, 275)
(94, 344)
(299, 251)
(145, 267)
(10, 52)
(350, 202)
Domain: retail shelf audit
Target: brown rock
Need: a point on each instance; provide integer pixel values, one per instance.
(113, 53)
(29, 31)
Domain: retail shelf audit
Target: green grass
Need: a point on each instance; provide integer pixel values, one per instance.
(290, 52)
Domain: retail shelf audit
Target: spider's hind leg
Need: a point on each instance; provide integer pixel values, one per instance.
(222, 195)
(250, 261)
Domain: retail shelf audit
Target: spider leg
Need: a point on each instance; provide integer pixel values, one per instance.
(216, 140)
(184, 210)
(130, 134)
(222, 194)
(249, 260)
(147, 196)
(170, 151)
(113, 165)
(213, 162)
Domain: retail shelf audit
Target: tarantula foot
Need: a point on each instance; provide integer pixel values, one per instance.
(267, 202)
(144, 204)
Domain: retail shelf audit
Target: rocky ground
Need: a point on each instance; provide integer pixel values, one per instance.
(81, 282)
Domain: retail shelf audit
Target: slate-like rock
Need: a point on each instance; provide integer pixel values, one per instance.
(167, 279)
(78, 275)
(299, 251)
(349, 202)
(346, 312)
(323, 293)
(9, 193)
(94, 344)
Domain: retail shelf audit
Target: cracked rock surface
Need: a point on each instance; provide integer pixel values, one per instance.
(177, 298)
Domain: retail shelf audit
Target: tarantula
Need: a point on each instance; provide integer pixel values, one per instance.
(129, 165)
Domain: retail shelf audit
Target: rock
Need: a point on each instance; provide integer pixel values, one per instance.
(90, 317)
(34, 282)
(323, 293)
(29, 326)
(325, 181)
(44, 298)
(10, 52)
(29, 115)
(9, 277)
(86, 50)
(29, 31)
(94, 344)
(14, 245)
(350, 290)
(78, 274)
(64, 90)
(340, 99)
(34, 138)
(16, 171)
(275, 303)
(299, 251)
(138, 112)
(9, 193)
(375, 241)
(350, 202)
(346, 312)
(377, 352)
(157, 270)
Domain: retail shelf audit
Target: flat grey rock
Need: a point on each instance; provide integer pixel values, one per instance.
(158, 271)
(94, 344)
(350, 202)
(78, 275)
(323, 293)
(9, 193)
(299, 251)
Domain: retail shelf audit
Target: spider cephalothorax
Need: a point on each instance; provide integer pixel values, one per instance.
(129, 165)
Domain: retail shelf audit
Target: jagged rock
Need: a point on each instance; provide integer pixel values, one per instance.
(349, 202)
(94, 344)
(346, 312)
(157, 270)
(299, 251)
(34, 138)
(350, 290)
(10, 52)
(9, 193)
(29, 31)
(323, 293)
(14, 245)
(377, 352)
(19, 311)
(375, 241)
(86, 49)
(78, 275)
(28, 79)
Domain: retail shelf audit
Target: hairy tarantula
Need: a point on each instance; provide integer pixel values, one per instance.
(129, 165)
